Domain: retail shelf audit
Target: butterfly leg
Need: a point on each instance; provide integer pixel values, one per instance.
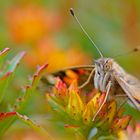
(88, 80)
(108, 89)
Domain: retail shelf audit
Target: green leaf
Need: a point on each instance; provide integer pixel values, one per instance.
(56, 107)
(27, 95)
(6, 74)
(4, 120)
(29, 89)
(11, 66)
(34, 126)
(2, 54)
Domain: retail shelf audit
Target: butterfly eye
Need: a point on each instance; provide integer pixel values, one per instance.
(106, 67)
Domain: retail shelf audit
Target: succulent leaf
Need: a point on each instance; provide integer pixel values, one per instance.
(121, 123)
(75, 105)
(90, 109)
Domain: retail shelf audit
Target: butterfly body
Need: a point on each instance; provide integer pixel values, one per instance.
(106, 69)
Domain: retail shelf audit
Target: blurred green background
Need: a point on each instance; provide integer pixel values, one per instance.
(49, 34)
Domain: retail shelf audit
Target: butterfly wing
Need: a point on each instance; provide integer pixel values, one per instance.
(80, 73)
(131, 87)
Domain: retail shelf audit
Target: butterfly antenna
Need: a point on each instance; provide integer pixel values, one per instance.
(73, 14)
(129, 52)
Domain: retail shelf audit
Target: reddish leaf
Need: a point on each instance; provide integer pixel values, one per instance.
(29, 89)
(39, 72)
(36, 77)
(5, 115)
(71, 126)
(101, 99)
(5, 76)
(60, 87)
(74, 86)
(121, 123)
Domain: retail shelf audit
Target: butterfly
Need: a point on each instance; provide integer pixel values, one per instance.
(105, 75)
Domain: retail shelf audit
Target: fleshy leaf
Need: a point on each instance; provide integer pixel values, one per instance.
(11, 66)
(71, 126)
(60, 92)
(131, 133)
(35, 126)
(5, 76)
(137, 129)
(29, 89)
(121, 123)
(27, 121)
(22, 104)
(107, 115)
(112, 108)
(2, 55)
(6, 115)
(99, 103)
(76, 129)
(75, 105)
(56, 107)
(6, 120)
(40, 71)
(60, 88)
(4, 51)
(90, 109)
(122, 135)
(6, 73)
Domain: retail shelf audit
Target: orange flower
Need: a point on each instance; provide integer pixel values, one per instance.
(49, 51)
(35, 26)
(30, 23)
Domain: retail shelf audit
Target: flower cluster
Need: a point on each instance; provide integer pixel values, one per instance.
(71, 103)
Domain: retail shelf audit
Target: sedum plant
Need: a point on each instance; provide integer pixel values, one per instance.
(77, 113)
(10, 115)
(75, 107)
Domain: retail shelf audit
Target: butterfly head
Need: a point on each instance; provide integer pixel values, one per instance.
(104, 64)
(103, 73)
